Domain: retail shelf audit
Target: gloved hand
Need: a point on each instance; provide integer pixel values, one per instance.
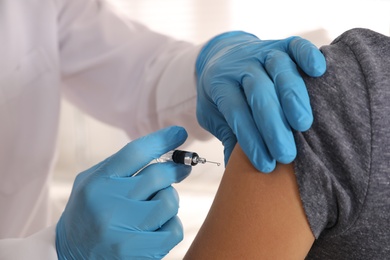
(111, 215)
(251, 91)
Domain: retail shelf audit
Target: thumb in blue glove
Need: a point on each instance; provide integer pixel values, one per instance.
(250, 91)
(111, 215)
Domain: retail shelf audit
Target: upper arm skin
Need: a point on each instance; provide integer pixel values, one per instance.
(254, 216)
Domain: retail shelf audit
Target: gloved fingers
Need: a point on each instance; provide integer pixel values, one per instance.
(141, 187)
(291, 90)
(155, 177)
(173, 231)
(213, 121)
(83, 175)
(140, 152)
(229, 143)
(148, 216)
(268, 115)
(153, 245)
(308, 57)
(167, 206)
(232, 103)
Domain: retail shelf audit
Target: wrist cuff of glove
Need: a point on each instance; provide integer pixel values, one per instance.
(217, 43)
(63, 252)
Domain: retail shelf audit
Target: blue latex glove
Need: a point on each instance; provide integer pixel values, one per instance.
(113, 216)
(250, 91)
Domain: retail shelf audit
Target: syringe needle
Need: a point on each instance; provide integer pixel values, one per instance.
(203, 161)
(217, 163)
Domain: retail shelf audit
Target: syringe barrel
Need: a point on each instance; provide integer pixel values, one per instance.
(167, 157)
(177, 156)
(182, 157)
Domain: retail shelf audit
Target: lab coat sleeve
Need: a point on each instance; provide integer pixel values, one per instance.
(39, 246)
(124, 74)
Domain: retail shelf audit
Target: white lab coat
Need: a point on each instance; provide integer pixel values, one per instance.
(115, 69)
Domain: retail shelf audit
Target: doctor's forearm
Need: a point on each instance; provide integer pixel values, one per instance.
(130, 77)
(176, 94)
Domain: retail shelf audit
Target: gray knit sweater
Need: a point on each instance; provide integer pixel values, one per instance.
(343, 162)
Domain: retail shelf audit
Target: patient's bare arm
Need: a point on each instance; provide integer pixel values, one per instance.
(254, 216)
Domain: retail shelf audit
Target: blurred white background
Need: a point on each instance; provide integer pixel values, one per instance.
(83, 141)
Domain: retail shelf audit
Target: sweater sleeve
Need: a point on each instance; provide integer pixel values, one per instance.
(333, 165)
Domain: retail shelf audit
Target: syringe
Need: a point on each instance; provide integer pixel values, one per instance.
(184, 157)
(179, 156)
